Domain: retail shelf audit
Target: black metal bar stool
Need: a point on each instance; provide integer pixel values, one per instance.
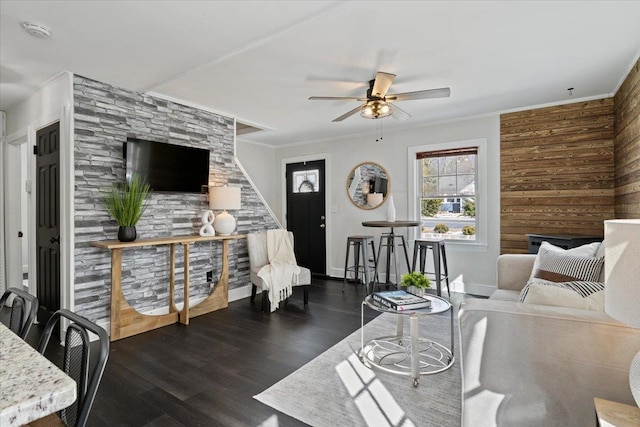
(360, 245)
(439, 254)
(389, 241)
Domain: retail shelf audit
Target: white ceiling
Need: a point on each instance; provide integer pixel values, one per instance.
(259, 61)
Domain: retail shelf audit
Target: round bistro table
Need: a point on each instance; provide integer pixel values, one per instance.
(391, 238)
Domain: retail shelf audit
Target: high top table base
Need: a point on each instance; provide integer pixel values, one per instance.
(391, 243)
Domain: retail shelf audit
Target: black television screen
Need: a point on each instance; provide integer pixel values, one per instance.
(167, 167)
(380, 185)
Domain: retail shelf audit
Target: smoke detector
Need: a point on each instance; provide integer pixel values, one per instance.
(36, 30)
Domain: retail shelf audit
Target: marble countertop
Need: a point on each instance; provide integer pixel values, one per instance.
(31, 387)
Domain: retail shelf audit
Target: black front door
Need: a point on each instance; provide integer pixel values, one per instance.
(306, 213)
(48, 220)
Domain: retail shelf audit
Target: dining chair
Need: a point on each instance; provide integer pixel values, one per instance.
(23, 309)
(78, 359)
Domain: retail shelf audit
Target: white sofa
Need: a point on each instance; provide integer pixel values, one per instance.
(258, 258)
(534, 365)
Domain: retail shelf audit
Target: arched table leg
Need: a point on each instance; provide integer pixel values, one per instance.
(126, 321)
(219, 298)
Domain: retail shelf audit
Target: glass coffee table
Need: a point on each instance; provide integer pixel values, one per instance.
(407, 355)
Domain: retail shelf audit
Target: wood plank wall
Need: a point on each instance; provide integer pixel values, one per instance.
(627, 146)
(557, 172)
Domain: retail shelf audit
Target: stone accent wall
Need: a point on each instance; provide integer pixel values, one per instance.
(104, 117)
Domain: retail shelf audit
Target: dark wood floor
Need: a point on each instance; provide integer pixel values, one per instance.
(206, 374)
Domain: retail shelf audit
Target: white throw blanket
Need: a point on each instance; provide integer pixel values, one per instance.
(282, 268)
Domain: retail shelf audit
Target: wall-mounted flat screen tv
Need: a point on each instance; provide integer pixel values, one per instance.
(167, 167)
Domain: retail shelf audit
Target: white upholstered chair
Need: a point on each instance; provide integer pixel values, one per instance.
(257, 246)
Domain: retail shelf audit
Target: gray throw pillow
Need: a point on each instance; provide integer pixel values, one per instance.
(580, 287)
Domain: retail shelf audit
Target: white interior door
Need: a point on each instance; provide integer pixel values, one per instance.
(15, 211)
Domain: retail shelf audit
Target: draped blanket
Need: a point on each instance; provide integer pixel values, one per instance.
(282, 269)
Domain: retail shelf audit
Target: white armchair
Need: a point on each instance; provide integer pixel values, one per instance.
(257, 247)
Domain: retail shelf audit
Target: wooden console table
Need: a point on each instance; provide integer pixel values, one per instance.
(126, 321)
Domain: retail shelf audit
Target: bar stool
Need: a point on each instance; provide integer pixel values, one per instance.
(439, 253)
(389, 241)
(360, 245)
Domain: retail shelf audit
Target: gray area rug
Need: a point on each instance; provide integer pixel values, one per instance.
(336, 389)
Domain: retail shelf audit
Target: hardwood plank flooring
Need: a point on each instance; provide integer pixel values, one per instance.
(207, 373)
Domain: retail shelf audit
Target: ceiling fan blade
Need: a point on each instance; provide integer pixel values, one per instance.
(399, 113)
(349, 114)
(382, 84)
(442, 92)
(334, 98)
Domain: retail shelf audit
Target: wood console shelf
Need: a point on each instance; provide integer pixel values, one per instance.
(125, 321)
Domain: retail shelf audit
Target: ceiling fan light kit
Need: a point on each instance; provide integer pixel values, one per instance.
(377, 104)
(376, 110)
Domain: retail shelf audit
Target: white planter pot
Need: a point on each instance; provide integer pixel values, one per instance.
(416, 291)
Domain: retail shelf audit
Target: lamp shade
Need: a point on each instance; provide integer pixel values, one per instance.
(374, 199)
(622, 282)
(224, 197)
(622, 270)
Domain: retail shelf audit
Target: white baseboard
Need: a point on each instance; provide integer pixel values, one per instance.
(240, 293)
(338, 273)
(456, 285)
(472, 288)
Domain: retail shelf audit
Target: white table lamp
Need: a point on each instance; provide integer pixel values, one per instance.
(224, 198)
(622, 282)
(374, 199)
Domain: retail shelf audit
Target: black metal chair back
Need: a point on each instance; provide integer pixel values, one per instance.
(77, 362)
(24, 308)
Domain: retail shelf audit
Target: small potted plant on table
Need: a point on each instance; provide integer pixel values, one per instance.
(415, 282)
(126, 204)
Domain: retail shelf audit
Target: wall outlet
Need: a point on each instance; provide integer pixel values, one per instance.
(210, 276)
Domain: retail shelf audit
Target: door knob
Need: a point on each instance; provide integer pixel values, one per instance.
(322, 226)
(322, 217)
(54, 240)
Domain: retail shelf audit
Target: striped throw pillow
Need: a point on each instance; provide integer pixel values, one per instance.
(557, 267)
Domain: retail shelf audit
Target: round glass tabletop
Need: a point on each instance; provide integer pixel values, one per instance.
(438, 305)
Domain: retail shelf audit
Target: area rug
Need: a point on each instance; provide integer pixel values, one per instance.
(336, 389)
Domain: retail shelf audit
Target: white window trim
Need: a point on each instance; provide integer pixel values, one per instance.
(413, 175)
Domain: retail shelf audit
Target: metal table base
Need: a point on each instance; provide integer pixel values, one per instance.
(406, 355)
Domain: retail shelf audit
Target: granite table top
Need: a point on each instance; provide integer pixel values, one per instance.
(31, 387)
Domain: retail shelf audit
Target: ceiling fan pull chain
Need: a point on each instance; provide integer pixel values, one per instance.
(379, 132)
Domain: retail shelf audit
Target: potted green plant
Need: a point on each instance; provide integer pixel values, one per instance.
(126, 203)
(415, 282)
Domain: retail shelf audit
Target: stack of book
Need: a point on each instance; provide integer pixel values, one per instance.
(400, 300)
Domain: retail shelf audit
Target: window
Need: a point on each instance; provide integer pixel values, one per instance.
(447, 193)
(306, 181)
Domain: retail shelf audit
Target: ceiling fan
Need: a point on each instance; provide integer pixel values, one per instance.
(377, 104)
